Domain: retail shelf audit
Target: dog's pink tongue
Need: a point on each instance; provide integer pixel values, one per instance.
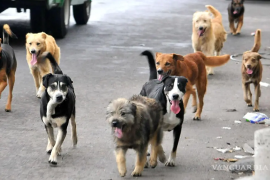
(34, 59)
(235, 12)
(200, 32)
(160, 77)
(175, 107)
(118, 133)
(249, 71)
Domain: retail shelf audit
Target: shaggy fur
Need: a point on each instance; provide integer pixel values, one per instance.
(135, 122)
(191, 66)
(252, 72)
(36, 44)
(8, 65)
(208, 34)
(236, 15)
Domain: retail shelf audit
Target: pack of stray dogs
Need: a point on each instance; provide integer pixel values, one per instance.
(160, 106)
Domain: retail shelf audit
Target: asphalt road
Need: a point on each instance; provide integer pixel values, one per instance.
(103, 60)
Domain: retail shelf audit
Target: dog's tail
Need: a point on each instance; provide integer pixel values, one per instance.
(214, 61)
(152, 65)
(55, 66)
(6, 33)
(215, 12)
(257, 41)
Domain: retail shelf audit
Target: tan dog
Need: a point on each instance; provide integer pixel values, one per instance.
(252, 72)
(191, 66)
(208, 34)
(36, 44)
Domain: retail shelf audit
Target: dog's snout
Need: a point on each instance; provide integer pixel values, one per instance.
(160, 71)
(175, 96)
(200, 28)
(59, 98)
(33, 51)
(249, 66)
(114, 123)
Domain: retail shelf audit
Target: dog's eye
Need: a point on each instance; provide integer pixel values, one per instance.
(30, 43)
(171, 85)
(38, 43)
(122, 113)
(253, 60)
(53, 86)
(157, 63)
(167, 64)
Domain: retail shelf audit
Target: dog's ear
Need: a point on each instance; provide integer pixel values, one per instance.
(27, 35)
(258, 56)
(158, 54)
(164, 78)
(133, 108)
(183, 80)
(45, 80)
(43, 35)
(69, 81)
(178, 57)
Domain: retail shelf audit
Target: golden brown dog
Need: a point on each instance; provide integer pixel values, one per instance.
(208, 34)
(135, 123)
(191, 66)
(36, 44)
(252, 72)
(8, 65)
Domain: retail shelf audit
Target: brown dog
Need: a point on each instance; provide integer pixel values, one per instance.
(35, 45)
(191, 66)
(236, 15)
(8, 65)
(252, 72)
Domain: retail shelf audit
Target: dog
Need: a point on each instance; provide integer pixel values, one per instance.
(169, 92)
(252, 72)
(236, 11)
(135, 123)
(8, 65)
(208, 34)
(57, 106)
(192, 67)
(36, 44)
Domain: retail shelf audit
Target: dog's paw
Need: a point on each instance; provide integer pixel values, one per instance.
(153, 163)
(49, 151)
(8, 110)
(122, 173)
(194, 109)
(136, 173)
(256, 109)
(196, 118)
(170, 162)
(161, 157)
(249, 105)
(146, 164)
(39, 93)
(53, 159)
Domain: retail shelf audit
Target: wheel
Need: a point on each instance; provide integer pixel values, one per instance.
(82, 12)
(38, 20)
(59, 17)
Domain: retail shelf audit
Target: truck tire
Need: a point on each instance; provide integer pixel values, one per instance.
(82, 12)
(38, 20)
(59, 17)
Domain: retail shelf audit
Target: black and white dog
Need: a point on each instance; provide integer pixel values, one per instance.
(169, 92)
(57, 106)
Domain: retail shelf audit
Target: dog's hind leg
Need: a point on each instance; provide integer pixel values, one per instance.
(51, 141)
(120, 154)
(140, 161)
(194, 100)
(11, 81)
(62, 132)
(73, 130)
(3, 81)
(201, 90)
(176, 134)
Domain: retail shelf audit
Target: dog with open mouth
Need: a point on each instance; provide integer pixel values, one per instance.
(8, 65)
(57, 107)
(135, 123)
(236, 11)
(190, 66)
(168, 90)
(208, 35)
(36, 44)
(252, 72)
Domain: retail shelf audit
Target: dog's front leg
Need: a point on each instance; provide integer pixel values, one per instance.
(51, 141)
(120, 154)
(176, 134)
(239, 24)
(232, 28)
(140, 161)
(43, 71)
(257, 95)
(246, 89)
(36, 77)
(62, 132)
